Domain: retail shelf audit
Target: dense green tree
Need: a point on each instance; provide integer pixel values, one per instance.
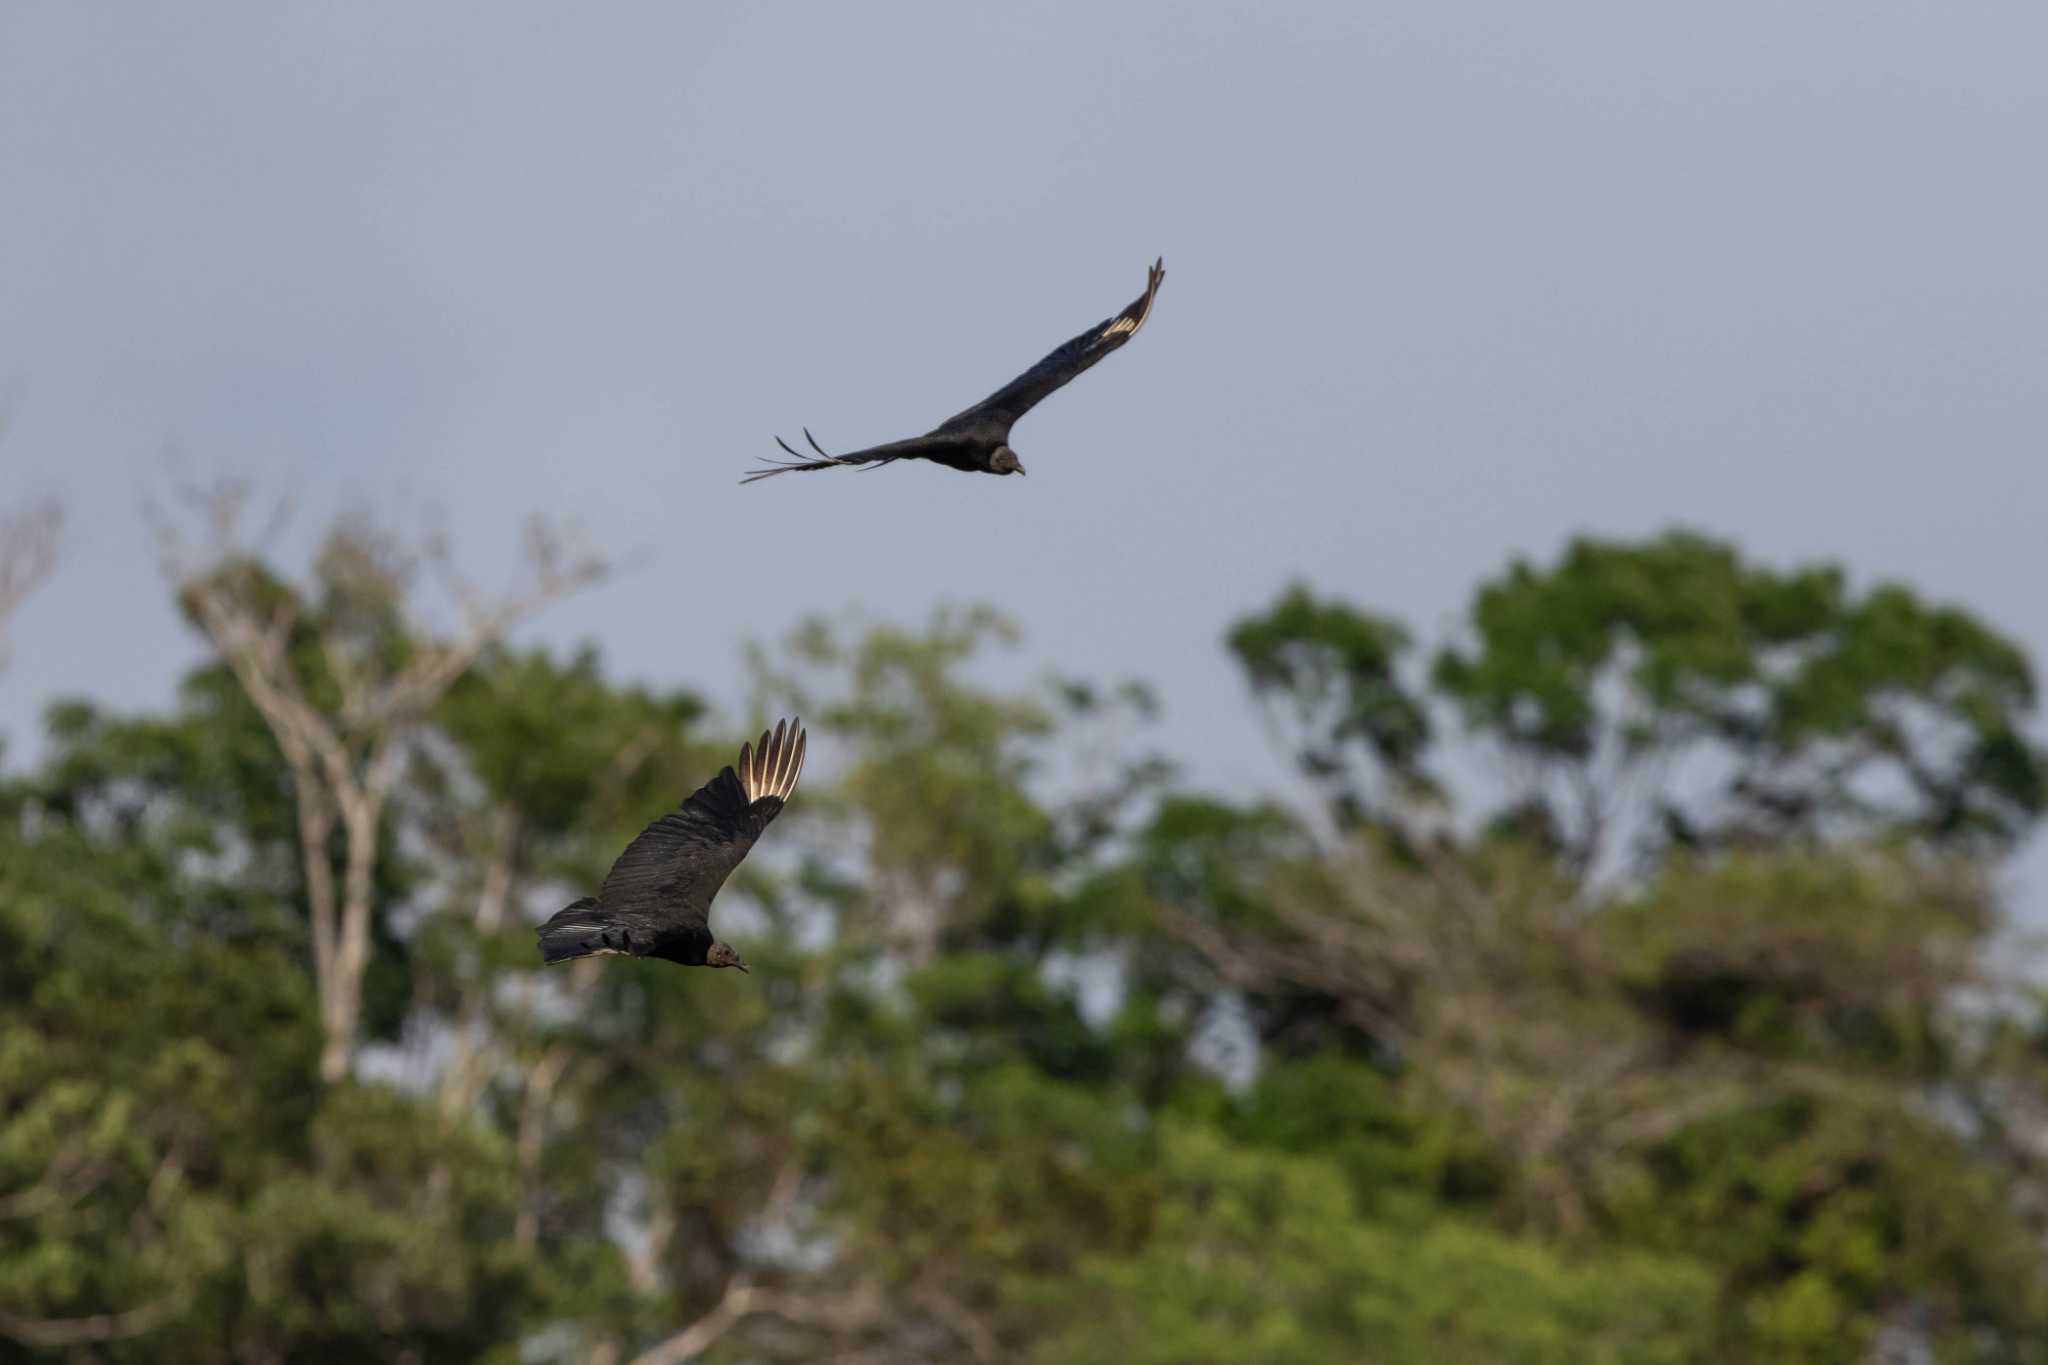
(1757, 1062)
(1329, 676)
(1047, 1056)
(1669, 685)
(1254, 1255)
(344, 673)
(174, 1187)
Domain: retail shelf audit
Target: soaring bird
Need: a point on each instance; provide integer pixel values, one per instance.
(978, 440)
(656, 900)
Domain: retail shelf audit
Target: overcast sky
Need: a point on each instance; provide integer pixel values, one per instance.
(1446, 284)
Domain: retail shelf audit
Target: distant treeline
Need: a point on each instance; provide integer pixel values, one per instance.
(1684, 1044)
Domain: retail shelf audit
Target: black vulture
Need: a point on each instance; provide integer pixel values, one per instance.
(978, 440)
(656, 900)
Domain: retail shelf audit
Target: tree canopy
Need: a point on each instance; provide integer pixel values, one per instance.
(1680, 1038)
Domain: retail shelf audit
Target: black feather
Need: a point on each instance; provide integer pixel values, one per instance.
(1066, 362)
(974, 440)
(577, 930)
(656, 900)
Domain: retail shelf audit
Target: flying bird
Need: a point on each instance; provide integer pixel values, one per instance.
(656, 900)
(978, 440)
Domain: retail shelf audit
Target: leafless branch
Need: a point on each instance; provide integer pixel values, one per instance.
(643, 1262)
(469, 1065)
(29, 536)
(541, 1080)
(533, 1110)
(344, 759)
(48, 1333)
(969, 1327)
(737, 1301)
(838, 1314)
(71, 1174)
(1500, 994)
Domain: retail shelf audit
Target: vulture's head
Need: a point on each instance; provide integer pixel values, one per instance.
(724, 955)
(1004, 461)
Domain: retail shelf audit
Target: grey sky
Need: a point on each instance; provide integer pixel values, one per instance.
(1445, 284)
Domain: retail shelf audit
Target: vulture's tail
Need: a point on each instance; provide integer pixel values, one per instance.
(581, 930)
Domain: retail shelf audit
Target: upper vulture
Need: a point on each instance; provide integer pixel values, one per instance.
(978, 440)
(656, 900)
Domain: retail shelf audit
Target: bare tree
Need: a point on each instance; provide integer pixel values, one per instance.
(55, 1333)
(28, 554)
(1500, 992)
(839, 1314)
(1505, 993)
(342, 684)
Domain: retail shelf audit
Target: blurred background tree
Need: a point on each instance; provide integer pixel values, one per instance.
(1328, 677)
(29, 536)
(1681, 1038)
(1670, 691)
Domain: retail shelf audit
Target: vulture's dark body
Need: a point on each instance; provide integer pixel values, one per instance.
(656, 900)
(977, 441)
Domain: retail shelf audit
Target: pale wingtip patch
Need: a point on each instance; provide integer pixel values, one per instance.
(785, 750)
(771, 766)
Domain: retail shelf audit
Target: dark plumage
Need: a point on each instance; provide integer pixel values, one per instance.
(978, 440)
(656, 900)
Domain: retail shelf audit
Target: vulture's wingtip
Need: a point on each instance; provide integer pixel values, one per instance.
(771, 765)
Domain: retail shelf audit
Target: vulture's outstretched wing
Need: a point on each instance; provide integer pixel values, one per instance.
(874, 457)
(678, 863)
(1028, 389)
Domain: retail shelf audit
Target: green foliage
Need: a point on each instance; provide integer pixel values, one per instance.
(1827, 1209)
(1832, 712)
(393, 1229)
(1397, 1151)
(161, 1153)
(1768, 1100)
(206, 783)
(564, 750)
(1259, 1256)
(1333, 671)
(1832, 1186)
(1841, 959)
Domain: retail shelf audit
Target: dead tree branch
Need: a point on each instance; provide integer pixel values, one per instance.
(341, 682)
(49, 1333)
(29, 537)
(839, 1314)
